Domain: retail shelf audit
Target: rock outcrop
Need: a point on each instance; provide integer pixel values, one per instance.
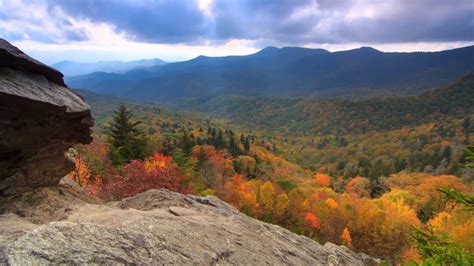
(40, 119)
(161, 227)
(46, 220)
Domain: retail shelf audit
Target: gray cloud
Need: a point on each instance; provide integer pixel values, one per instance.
(30, 19)
(149, 21)
(285, 22)
(413, 21)
(335, 21)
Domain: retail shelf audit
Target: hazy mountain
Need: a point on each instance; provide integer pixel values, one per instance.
(72, 68)
(289, 71)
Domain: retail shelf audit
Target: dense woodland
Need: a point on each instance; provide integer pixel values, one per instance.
(363, 173)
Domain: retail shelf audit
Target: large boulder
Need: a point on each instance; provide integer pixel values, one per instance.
(161, 227)
(40, 119)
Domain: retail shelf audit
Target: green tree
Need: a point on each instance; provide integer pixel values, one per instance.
(219, 142)
(439, 249)
(446, 153)
(466, 125)
(469, 156)
(247, 145)
(187, 142)
(234, 147)
(126, 140)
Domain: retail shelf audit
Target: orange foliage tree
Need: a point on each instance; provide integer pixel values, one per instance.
(232, 190)
(359, 186)
(81, 173)
(322, 180)
(82, 176)
(346, 238)
(331, 203)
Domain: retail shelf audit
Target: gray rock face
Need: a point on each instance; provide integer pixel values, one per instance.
(12, 57)
(40, 119)
(161, 227)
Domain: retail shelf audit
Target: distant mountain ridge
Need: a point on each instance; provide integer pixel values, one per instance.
(288, 72)
(72, 68)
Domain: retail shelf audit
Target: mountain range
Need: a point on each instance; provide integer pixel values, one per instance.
(289, 71)
(72, 68)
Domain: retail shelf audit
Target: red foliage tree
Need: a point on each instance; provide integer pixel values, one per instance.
(312, 221)
(157, 171)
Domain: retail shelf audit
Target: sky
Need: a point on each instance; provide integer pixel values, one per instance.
(175, 30)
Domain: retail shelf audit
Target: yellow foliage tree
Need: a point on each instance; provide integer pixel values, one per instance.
(331, 203)
(267, 196)
(382, 228)
(281, 205)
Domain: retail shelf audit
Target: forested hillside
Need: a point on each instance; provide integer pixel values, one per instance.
(327, 169)
(311, 116)
(375, 136)
(289, 71)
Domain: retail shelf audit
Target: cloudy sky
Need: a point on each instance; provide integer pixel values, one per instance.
(88, 30)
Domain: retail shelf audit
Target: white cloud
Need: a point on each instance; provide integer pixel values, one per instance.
(206, 7)
(122, 49)
(51, 35)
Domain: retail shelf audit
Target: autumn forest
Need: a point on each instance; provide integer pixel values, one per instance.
(237, 132)
(390, 177)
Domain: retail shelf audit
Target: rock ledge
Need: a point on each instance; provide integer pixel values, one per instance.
(161, 227)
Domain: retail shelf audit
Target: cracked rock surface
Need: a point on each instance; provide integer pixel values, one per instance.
(161, 227)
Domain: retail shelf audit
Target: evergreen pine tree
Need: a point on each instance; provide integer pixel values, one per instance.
(247, 145)
(234, 147)
(446, 153)
(126, 140)
(188, 142)
(466, 124)
(219, 141)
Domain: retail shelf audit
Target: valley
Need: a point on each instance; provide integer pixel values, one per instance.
(316, 167)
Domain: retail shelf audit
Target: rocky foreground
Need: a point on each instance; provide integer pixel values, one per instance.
(48, 220)
(157, 226)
